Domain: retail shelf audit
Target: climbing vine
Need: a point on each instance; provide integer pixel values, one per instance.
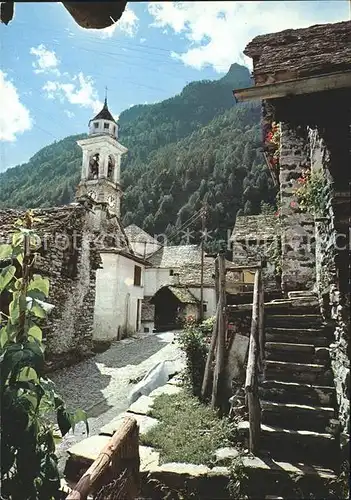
(28, 399)
(313, 192)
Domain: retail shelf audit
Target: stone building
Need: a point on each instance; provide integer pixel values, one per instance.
(142, 243)
(96, 280)
(303, 78)
(254, 238)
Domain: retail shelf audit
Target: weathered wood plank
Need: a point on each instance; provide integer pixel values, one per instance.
(207, 373)
(218, 375)
(121, 452)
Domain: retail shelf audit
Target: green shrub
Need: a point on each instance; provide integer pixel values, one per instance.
(28, 398)
(194, 342)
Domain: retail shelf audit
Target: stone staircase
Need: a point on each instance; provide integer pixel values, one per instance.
(298, 418)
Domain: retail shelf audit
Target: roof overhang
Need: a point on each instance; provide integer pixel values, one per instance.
(299, 86)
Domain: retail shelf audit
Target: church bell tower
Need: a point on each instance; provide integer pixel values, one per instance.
(101, 165)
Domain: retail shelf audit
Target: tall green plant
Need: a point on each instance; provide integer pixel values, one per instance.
(193, 341)
(28, 399)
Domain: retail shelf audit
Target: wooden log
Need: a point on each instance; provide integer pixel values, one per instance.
(207, 373)
(251, 388)
(254, 421)
(123, 448)
(253, 346)
(261, 333)
(217, 278)
(217, 378)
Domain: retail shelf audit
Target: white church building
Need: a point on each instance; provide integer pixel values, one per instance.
(120, 280)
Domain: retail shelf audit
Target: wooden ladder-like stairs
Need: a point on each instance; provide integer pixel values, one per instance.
(298, 444)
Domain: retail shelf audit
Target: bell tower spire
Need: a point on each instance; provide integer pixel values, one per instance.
(100, 174)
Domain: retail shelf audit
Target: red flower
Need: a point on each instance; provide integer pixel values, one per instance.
(277, 213)
(301, 180)
(293, 204)
(269, 136)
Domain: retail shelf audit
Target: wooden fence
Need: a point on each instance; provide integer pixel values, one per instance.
(255, 363)
(117, 465)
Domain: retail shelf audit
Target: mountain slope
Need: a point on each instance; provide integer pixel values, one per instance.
(196, 142)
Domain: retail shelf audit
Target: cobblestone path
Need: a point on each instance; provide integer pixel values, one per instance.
(101, 385)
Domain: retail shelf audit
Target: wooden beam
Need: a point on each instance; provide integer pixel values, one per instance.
(122, 447)
(218, 372)
(210, 355)
(300, 86)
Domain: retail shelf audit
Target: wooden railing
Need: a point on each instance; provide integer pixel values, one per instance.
(118, 459)
(255, 363)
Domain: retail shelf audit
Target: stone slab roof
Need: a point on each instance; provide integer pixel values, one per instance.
(137, 235)
(106, 232)
(183, 295)
(254, 227)
(176, 256)
(292, 54)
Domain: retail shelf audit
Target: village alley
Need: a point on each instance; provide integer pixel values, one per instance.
(101, 385)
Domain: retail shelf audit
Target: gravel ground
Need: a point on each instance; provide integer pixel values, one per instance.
(101, 385)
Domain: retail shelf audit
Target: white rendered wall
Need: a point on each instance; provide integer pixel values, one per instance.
(209, 299)
(116, 298)
(155, 278)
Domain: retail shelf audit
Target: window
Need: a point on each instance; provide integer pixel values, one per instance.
(106, 125)
(114, 130)
(204, 307)
(96, 124)
(137, 275)
(171, 272)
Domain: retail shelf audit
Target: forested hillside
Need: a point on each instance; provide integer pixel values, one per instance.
(195, 143)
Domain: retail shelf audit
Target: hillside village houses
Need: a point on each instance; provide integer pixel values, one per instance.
(107, 282)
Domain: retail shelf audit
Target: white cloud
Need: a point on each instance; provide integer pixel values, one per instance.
(219, 31)
(46, 62)
(14, 116)
(142, 40)
(82, 92)
(68, 113)
(128, 25)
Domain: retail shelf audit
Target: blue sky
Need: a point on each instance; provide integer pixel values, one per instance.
(53, 73)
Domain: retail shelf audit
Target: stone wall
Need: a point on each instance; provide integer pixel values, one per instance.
(68, 257)
(298, 240)
(254, 238)
(332, 256)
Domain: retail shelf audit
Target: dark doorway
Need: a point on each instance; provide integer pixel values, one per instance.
(167, 308)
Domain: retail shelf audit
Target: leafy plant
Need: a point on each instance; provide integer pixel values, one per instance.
(313, 193)
(28, 398)
(193, 341)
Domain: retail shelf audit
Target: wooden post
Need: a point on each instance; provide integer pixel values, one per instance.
(251, 386)
(217, 378)
(217, 278)
(261, 333)
(122, 447)
(207, 373)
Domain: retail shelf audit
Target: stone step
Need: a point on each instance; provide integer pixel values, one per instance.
(288, 480)
(295, 416)
(288, 351)
(298, 294)
(297, 336)
(287, 371)
(294, 320)
(293, 392)
(295, 445)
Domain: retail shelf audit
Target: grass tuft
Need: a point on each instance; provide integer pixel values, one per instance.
(189, 431)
